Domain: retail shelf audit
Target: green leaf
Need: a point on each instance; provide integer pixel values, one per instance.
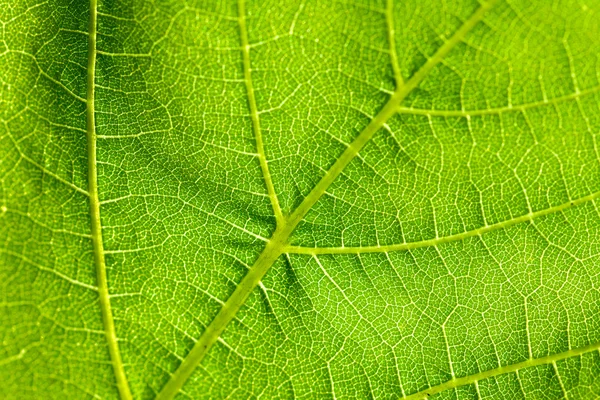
(312, 199)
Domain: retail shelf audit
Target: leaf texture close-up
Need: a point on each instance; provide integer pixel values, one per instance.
(386, 199)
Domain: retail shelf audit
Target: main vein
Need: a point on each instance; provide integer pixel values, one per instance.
(254, 112)
(532, 362)
(278, 242)
(96, 226)
(384, 115)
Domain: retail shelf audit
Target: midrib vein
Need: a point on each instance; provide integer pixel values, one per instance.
(254, 112)
(96, 226)
(381, 118)
(278, 242)
(445, 239)
(534, 362)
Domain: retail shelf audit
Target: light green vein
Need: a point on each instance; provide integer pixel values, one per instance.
(14, 358)
(278, 242)
(97, 242)
(388, 110)
(441, 240)
(254, 112)
(227, 312)
(391, 36)
(499, 110)
(49, 77)
(49, 270)
(470, 379)
(45, 170)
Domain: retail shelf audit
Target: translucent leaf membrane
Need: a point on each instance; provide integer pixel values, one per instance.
(404, 321)
(454, 255)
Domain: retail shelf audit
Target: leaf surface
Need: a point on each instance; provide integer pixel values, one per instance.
(349, 199)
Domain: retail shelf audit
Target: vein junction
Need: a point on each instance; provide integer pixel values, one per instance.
(286, 225)
(254, 113)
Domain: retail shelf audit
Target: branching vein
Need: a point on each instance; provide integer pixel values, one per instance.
(278, 242)
(445, 239)
(471, 379)
(391, 32)
(96, 226)
(499, 110)
(254, 112)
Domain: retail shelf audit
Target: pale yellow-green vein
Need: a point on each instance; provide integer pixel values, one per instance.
(245, 46)
(391, 36)
(471, 379)
(445, 239)
(499, 110)
(388, 111)
(278, 242)
(96, 226)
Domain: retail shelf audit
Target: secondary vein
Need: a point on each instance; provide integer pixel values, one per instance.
(532, 362)
(254, 112)
(445, 239)
(96, 226)
(391, 34)
(498, 110)
(278, 242)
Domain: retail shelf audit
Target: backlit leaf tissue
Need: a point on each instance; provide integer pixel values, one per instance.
(371, 199)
